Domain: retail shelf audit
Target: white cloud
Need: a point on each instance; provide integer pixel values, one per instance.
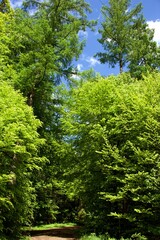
(79, 67)
(156, 26)
(83, 34)
(75, 77)
(92, 61)
(109, 40)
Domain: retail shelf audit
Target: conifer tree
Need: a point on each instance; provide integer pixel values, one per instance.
(126, 38)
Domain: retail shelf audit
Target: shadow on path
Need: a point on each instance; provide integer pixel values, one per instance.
(68, 233)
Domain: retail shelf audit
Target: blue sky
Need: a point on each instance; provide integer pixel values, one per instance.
(151, 12)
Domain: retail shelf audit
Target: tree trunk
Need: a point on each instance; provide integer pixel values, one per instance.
(30, 98)
(120, 65)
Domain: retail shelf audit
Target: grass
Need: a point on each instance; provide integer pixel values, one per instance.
(48, 226)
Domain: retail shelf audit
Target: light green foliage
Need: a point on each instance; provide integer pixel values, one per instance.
(36, 52)
(19, 142)
(40, 48)
(24, 238)
(7, 42)
(113, 127)
(127, 40)
(104, 143)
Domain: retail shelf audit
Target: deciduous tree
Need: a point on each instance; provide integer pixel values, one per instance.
(113, 134)
(46, 44)
(19, 144)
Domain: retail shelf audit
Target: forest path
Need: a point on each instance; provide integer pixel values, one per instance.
(45, 237)
(65, 233)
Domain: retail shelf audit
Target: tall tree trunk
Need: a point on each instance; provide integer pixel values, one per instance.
(121, 65)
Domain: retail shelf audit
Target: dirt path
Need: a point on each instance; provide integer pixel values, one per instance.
(65, 233)
(45, 237)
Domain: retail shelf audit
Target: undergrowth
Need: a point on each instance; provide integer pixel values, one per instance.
(92, 236)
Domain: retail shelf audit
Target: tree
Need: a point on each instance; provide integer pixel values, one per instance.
(113, 131)
(19, 144)
(122, 31)
(5, 6)
(144, 55)
(46, 44)
(7, 44)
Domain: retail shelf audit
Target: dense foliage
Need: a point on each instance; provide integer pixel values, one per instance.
(19, 142)
(88, 152)
(39, 50)
(114, 132)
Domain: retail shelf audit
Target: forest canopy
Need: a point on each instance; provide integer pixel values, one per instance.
(76, 146)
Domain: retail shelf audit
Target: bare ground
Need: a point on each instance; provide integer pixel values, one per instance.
(66, 233)
(45, 237)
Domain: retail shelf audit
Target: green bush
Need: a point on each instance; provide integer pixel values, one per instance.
(92, 236)
(114, 128)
